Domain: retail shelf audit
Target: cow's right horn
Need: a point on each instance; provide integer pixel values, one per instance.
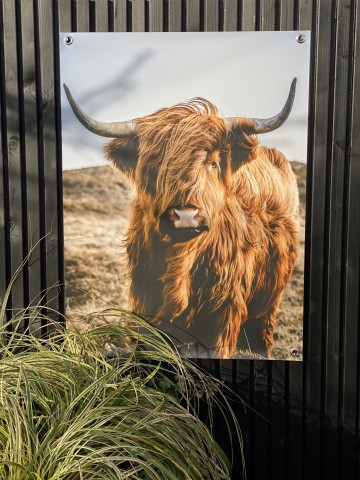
(265, 125)
(112, 130)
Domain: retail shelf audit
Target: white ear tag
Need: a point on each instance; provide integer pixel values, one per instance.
(186, 219)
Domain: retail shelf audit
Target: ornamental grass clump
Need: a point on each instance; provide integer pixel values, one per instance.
(113, 402)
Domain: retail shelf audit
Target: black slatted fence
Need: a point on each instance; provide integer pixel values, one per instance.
(305, 418)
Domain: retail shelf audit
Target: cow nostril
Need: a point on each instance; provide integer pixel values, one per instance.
(172, 215)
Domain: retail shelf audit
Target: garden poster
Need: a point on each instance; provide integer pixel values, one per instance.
(184, 181)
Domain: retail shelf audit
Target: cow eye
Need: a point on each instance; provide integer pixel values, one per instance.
(210, 164)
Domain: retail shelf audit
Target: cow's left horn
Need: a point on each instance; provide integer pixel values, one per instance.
(112, 130)
(264, 125)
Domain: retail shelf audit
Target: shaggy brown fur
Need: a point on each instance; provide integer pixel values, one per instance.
(220, 288)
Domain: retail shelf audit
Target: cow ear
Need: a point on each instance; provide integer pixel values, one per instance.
(122, 153)
(244, 144)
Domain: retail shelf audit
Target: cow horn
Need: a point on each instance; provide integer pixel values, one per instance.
(112, 130)
(264, 125)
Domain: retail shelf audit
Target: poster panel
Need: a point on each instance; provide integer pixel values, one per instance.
(184, 174)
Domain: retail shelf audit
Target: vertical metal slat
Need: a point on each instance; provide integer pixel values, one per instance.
(339, 92)
(266, 15)
(82, 16)
(248, 15)
(174, 15)
(156, 21)
(31, 149)
(120, 16)
(12, 149)
(350, 378)
(192, 15)
(48, 153)
(296, 392)
(64, 15)
(231, 15)
(211, 16)
(317, 157)
(286, 20)
(138, 16)
(4, 195)
(101, 16)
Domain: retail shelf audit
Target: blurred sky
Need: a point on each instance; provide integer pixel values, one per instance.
(120, 76)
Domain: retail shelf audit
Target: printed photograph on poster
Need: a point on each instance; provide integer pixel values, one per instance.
(184, 182)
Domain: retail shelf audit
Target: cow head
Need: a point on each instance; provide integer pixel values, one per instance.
(182, 160)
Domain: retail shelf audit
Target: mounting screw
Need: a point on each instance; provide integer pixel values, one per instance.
(294, 352)
(301, 38)
(68, 40)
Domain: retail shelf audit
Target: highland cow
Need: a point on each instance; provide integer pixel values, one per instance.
(213, 233)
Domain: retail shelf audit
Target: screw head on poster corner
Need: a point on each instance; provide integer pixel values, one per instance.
(68, 40)
(294, 352)
(301, 38)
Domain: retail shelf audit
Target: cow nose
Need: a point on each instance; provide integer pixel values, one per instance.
(186, 218)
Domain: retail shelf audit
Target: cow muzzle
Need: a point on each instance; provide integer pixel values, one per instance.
(183, 222)
(186, 217)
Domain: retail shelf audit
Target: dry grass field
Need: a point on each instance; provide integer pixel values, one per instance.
(96, 208)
